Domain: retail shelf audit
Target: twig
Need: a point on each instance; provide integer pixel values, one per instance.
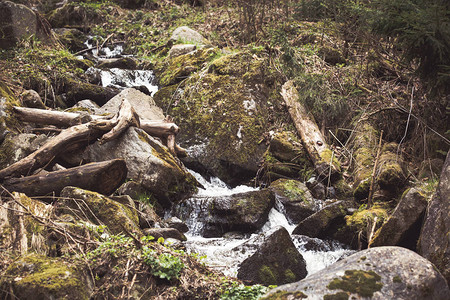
(369, 238)
(329, 173)
(407, 122)
(372, 180)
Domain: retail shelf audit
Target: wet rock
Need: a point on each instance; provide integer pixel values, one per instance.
(327, 221)
(176, 223)
(98, 209)
(433, 242)
(295, 199)
(181, 49)
(214, 216)
(121, 63)
(32, 99)
(317, 188)
(18, 22)
(143, 104)
(165, 233)
(16, 147)
(40, 277)
(377, 273)
(187, 35)
(149, 164)
(402, 228)
(72, 38)
(276, 262)
(77, 90)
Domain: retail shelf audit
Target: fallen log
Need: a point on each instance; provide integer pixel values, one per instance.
(321, 155)
(50, 117)
(102, 177)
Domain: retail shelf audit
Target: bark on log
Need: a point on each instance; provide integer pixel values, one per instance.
(50, 117)
(103, 177)
(314, 142)
(126, 117)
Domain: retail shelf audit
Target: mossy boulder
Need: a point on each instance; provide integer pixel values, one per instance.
(276, 262)
(72, 38)
(402, 228)
(327, 222)
(74, 91)
(72, 14)
(175, 69)
(40, 277)
(149, 163)
(295, 199)
(285, 157)
(223, 113)
(376, 273)
(433, 242)
(98, 209)
(243, 212)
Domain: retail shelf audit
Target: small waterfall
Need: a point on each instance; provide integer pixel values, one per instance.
(227, 253)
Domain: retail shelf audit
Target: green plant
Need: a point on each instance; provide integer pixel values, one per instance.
(236, 291)
(164, 266)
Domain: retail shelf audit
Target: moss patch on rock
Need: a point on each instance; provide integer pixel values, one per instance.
(363, 283)
(40, 277)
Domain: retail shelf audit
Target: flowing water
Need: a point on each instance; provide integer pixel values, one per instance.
(227, 253)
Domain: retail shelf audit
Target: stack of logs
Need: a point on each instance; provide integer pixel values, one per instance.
(81, 130)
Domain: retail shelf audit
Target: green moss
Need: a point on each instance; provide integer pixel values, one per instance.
(267, 276)
(397, 279)
(283, 295)
(325, 157)
(289, 276)
(362, 189)
(337, 296)
(42, 277)
(362, 217)
(364, 283)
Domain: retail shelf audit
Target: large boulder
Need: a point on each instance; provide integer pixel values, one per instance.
(98, 209)
(225, 110)
(377, 273)
(276, 262)
(18, 22)
(295, 199)
(434, 238)
(40, 277)
(214, 216)
(143, 104)
(149, 163)
(402, 228)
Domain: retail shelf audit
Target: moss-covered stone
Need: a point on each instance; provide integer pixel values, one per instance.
(337, 296)
(8, 123)
(365, 216)
(391, 175)
(98, 209)
(363, 283)
(40, 277)
(282, 295)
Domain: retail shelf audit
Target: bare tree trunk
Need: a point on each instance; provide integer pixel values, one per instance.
(103, 177)
(314, 142)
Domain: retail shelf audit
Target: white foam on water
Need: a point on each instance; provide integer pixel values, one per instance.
(121, 78)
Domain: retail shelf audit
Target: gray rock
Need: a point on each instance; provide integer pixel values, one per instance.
(434, 239)
(17, 22)
(16, 147)
(181, 49)
(187, 35)
(403, 226)
(149, 163)
(244, 212)
(295, 199)
(127, 63)
(31, 98)
(89, 106)
(377, 273)
(317, 188)
(327, 222)
(276, 262)
(176, 223)
(165, 233)
(142, 103)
